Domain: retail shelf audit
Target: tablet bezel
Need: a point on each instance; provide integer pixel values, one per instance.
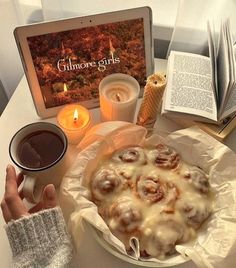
(21, 34)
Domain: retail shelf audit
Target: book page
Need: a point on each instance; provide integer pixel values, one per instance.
(230, 51)
(230, 102)
(213, 57)
(230, 108)
(189, 85)
(223, 69)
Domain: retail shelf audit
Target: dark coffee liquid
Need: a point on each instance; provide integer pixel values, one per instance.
(40, 149)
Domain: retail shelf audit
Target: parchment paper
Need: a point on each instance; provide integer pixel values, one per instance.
(215, 241)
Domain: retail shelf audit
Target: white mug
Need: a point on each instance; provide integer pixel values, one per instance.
(36, 178)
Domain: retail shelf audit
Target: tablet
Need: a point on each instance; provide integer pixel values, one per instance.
(65, 60)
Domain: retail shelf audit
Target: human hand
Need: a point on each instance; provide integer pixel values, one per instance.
(12, 204)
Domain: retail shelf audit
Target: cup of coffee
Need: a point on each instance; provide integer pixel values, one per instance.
(39, 150)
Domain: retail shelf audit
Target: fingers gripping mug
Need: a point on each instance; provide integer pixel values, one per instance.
(39, 150)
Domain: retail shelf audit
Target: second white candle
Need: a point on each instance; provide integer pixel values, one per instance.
(118, 95)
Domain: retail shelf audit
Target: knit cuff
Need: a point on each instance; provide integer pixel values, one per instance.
(39, 235)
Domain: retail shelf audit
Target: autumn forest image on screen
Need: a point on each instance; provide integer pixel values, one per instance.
(70, 64)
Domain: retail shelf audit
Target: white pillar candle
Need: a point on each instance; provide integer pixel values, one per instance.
(118, 94)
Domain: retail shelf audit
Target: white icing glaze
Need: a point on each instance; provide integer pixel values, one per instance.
(160, 237)
(161, 206)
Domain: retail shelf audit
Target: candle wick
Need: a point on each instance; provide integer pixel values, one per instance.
(118, 97)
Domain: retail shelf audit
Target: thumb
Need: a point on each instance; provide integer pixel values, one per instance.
(49, 196)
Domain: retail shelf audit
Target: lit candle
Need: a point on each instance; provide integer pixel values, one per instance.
(118, 95)
(112, 49)
(74, 120)
(65, 89)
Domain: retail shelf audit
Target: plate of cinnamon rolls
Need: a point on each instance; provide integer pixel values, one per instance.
(151, 199)
(156, 201)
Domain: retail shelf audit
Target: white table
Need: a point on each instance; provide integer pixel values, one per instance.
(19, 112)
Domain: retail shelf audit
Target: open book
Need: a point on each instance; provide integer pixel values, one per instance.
(203, 88)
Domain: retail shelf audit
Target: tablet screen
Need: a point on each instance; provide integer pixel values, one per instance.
(70, 64)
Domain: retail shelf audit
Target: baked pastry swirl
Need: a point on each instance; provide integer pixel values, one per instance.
(151, 194)
(150, 189)
(160, 237)
(105, 183)
(194, 210)
(198, 179)
(134, 154)
(164, 157)
(125, 216)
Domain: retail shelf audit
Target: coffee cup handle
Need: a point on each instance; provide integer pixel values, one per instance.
(29, 190)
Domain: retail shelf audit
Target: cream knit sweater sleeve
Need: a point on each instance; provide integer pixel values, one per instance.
(40, 240)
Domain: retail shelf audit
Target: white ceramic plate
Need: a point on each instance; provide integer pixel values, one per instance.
(112, 250)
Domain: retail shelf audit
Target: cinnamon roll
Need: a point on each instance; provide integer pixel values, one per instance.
(198, 178)
(133, 154)
(159, 238)
(106, 182)
(150, 189)
(164, 157)
(125, 216)
(194, 212)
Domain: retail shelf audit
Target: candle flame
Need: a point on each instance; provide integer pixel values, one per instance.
(65, 87)
(112, 49)
(76, 115)
(62, 49)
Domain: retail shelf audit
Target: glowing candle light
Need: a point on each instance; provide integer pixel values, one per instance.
(112, 49)
(65, 88)
(74, 120)
(62, 49)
